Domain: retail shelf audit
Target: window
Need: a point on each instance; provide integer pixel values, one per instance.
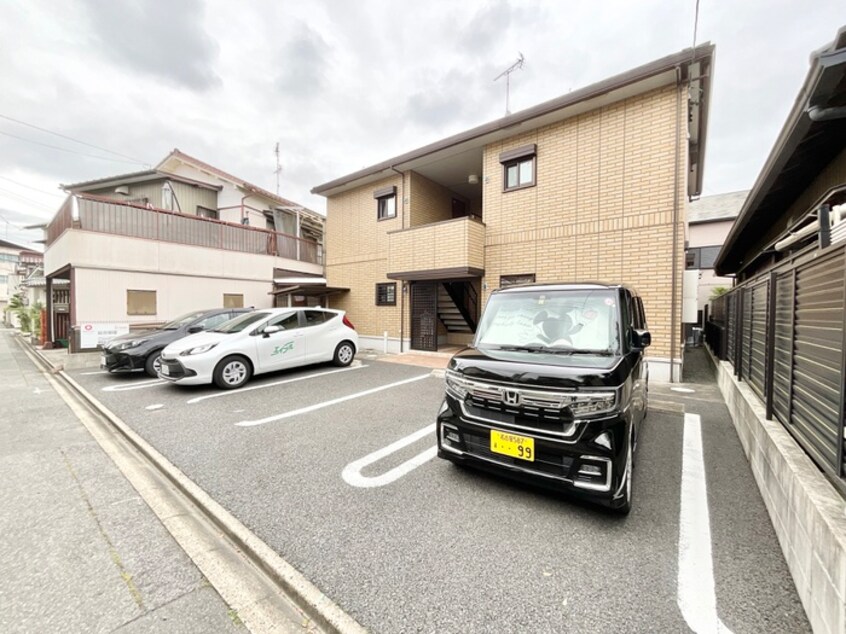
(518, 167)
(140, 302)
(205, 212)
(314, 317)
(514, 280)
(288, 321)
(701, 257)
(386, 294)
(4, 279)
(214, 321)
(386, 203)
(233, 300)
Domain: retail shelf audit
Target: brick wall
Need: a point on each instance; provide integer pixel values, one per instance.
(602, 208)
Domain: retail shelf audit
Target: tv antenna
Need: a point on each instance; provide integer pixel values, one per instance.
(278, 169)
(507, 74)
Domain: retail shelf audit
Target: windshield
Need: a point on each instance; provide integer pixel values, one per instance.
(186, 319)
(239, 323)
(576, 321)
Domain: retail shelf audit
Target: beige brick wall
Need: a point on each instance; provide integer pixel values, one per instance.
(429, 202)
(442, 245)
(602, 208)
(357, 255)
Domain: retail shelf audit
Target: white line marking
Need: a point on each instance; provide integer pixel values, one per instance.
(311, 408)
(352, 472)
(37, 390)
(274, 384)
(697, 598)
(154, 407)
(90, 373)
(683, 390)
(135, 386)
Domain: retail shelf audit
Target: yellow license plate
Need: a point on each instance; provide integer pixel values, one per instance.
(513, 445)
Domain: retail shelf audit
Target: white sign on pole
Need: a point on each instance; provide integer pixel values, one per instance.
(92, 335)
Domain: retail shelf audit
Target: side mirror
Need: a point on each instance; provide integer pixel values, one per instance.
(641, 339)
(270, 330)
(193, 329)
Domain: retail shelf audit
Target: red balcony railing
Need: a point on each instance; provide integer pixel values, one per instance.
(103, 215)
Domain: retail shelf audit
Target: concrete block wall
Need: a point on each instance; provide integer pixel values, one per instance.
(808, 514)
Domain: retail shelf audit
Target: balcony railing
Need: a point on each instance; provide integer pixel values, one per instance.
(448, 249)
(127, 219)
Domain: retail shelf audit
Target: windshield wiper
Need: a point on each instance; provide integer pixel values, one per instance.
(537, 347)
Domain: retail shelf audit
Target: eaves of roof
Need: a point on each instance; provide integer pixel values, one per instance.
(803, 148)
(703, 54)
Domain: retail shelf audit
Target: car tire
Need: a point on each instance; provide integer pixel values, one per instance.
(153, 363)
(626, 507)
(344, 354)
(232, 372)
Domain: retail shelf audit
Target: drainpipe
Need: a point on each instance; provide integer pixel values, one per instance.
(675, 275)
(815, 113)
(402, 282)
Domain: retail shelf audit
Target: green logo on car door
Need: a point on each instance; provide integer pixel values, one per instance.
(282, 349)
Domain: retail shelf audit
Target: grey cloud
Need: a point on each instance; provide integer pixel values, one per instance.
(458, 96)
(164, 40)
(303, 62)
(490, 24)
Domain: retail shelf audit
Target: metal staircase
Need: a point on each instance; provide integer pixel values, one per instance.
(457, 306)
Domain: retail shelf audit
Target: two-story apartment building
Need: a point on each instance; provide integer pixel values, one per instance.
(148, 246)
(588, 186)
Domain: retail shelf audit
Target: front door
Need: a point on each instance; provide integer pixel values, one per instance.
(424, 316)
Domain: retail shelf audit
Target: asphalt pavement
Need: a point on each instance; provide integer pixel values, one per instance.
(80, 550)
(334, 470)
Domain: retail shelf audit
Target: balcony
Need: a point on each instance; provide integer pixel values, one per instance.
(451, 249)
(99, 215)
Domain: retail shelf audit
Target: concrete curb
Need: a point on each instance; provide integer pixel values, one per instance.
(320, 608)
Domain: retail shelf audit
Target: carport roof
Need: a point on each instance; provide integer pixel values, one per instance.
(309, 289)
(803, 149)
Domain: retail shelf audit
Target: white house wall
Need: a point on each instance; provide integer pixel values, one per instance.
(87, 249)
(100, 296)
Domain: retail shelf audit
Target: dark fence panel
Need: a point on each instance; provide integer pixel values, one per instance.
(784, 334)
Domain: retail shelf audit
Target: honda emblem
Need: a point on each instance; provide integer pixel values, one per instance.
(511, 397)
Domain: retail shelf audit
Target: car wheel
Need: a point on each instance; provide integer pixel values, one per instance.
(344, 354)
(153, 364)
(232, 373)
(626, 506)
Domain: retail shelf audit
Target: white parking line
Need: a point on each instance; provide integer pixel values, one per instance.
(352, 472)
(135, 386)
(335, 401)
(90, 373)
(274, 384)
(697, 598)
(683, 390)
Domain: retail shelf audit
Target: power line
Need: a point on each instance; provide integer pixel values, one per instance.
(35, 189)
(62, 149)
(70, 138)
(24, 198)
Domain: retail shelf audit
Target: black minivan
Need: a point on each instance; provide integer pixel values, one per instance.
(553, 390)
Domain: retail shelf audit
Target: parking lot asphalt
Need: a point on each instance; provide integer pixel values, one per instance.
(335, 471)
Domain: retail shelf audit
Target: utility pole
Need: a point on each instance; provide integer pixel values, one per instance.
(507, 74)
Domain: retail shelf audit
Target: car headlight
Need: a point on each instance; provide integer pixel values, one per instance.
(455, 385)
(592, 403)
(126, 345)
(197, 350)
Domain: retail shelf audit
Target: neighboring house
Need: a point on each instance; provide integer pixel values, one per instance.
(781, 333)
(147, 246)
(709, 220)
(589, 186)
(15, 260)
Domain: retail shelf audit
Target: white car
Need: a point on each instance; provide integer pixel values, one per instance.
(258, 342)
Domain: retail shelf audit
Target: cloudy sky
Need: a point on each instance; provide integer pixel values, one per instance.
(341, 85)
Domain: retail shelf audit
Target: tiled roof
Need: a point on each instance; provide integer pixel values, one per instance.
(717, 207)
(176, 153)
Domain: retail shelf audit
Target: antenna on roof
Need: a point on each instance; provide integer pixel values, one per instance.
(507, 74)
(278, 169)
